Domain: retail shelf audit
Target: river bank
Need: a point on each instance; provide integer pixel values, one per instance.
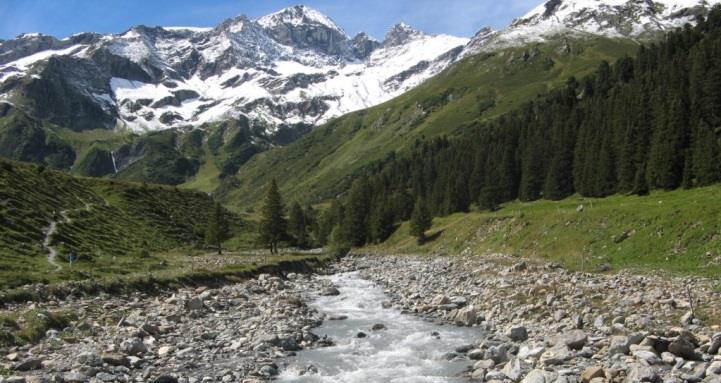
(490, 318)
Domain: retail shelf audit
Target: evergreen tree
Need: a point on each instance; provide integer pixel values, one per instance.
(298, 226)
(640, 184)
(382, 223)
(216, 230)
(421, 220)
(489, 198)
(273, 226)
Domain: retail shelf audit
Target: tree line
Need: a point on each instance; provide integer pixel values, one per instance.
(647, 122)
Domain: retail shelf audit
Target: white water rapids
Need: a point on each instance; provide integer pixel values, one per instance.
(408, 350)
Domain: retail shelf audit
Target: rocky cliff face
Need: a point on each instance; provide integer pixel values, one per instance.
(291, 67)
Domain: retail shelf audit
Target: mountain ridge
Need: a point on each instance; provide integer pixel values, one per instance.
(293, 66)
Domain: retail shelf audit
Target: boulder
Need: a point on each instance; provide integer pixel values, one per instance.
(682, 347)
(715, 344)
(166, 379)
(330, 292)
(378, 327)
(517, 333)
(648, 356)
(556, 355)
(195, 304)
(133, 346)
(466, 316)
(592, 373)
(439, 300)
(535, 376)
(115, 359)
(714, 369)
(640, 373)
(29, 365)
(619, 345)
(91, 359)
(574, 339)
(514, 369)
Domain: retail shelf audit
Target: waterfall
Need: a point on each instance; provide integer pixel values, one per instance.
(112, 155)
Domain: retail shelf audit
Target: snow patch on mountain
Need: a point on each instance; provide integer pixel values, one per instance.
(610, 18)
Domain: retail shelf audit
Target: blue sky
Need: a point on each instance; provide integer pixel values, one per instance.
(65, 17)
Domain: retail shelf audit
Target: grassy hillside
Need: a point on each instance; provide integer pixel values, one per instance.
(678, 231)
(322, 163)
(112, 226)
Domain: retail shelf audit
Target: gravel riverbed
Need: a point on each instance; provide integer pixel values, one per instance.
(533, 322)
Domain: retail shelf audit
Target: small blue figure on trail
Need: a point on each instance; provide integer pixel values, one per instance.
(72, 258)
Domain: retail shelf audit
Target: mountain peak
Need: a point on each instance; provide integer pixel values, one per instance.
(400, 34)
(298, 15)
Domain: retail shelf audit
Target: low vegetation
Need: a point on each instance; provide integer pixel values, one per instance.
(678, 231)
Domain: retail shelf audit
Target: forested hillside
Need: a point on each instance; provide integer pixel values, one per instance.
(323, 163)
(648, 122)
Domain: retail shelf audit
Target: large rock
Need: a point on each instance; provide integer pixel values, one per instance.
(133, 346)
(682, 347)
(619, 345)
(517, 333)
(115, 359)
(592, 373)
(330, 292)
(556, 355)
(514, 369)
(640, 373)
(195, 304)
(29, 365)
(574, 339)
(466, 316)
(535, 376)
(715, 344)
(439, 300)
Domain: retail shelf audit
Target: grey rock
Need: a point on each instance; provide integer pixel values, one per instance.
(514, 369)
(195, 304)
(682, 347)
(556, 355)
(29, 365)
(715, 344)
(115, 359)
(648, 356)
(133, 346)
(640, 373)
(619, 345)
(91, 359)
(574, 339)
(535, 376)
(517, 333)
(330, 291)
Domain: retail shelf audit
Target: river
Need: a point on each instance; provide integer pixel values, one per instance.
(410, 349)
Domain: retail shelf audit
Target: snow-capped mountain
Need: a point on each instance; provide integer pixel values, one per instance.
(610, 18)
(293, 66)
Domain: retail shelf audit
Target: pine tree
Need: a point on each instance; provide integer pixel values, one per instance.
(298, 226)
(640, 184)
(421, 220)
(355, 222)
(273, 226)
(381, 225)
(489, 198)
(216, 230)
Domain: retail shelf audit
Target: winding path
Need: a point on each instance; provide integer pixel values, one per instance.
(52, 229)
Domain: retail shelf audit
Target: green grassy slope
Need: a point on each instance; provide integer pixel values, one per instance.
(677, 231)
(322, 163)
(112, 225)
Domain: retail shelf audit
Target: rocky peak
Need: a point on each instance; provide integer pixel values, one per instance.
(296, 16)
(363, 45)
(305, 28)
(401, 34)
